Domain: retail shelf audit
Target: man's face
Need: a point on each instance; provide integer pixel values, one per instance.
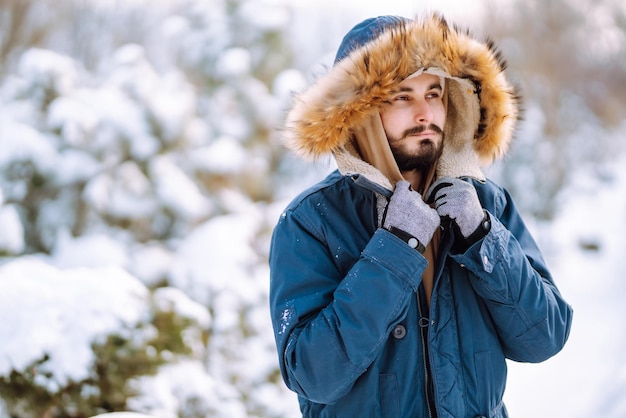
(414, 121)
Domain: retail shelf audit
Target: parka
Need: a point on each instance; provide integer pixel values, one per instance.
(355, 336)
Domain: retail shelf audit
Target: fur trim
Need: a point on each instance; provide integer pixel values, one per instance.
(324, 117)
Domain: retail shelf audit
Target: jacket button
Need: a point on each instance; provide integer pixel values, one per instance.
(399, 332)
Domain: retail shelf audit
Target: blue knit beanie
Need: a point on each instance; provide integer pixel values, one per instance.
(365, 32)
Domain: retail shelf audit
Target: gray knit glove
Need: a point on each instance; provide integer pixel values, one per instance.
(457, 199)
(408, 213)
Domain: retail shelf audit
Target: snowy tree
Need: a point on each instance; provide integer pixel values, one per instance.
(136, 206)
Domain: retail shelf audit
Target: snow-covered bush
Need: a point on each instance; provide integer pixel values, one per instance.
(135, 214)
(78, 337)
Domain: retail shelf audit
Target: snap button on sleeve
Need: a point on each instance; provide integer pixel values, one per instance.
(399, 332)
(487, 264)
(487, 258)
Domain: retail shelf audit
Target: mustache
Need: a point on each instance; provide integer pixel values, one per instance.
(416, 130)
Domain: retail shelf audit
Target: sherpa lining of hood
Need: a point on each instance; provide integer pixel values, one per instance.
(324, 118)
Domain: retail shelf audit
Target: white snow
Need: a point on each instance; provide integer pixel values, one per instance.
(12, 236)
(594, 214)
(124, 192)
(216, 258)
(265, 15)
(172, 105)
(175, 386)
(88, 251)
(60, 313)
(150, 263)
(45, 68)
(234, 62)
(22, 143)
(119, 121)
(232, 120)
(74, 166)
(176, 190)
(169, 299)
(287, 83)
(74, 118)
(223, 156)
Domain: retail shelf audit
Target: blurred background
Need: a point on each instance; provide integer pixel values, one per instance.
(141, 174)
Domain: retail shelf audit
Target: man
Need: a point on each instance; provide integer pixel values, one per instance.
(402, 282)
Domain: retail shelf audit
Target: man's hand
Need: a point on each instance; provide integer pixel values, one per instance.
(457, 199)
(408, 212)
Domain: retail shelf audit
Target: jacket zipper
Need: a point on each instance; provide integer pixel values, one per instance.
(424, 323)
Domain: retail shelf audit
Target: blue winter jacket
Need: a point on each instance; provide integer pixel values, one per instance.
(354, 335)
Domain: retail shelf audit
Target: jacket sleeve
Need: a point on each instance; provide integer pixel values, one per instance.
(510, 275)
(329, 328)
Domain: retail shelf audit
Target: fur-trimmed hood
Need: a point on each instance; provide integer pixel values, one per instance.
(325, 117)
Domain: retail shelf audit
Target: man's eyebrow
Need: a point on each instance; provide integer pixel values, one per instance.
(432, 86)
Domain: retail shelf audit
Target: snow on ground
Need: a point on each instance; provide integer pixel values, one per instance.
(588, 378)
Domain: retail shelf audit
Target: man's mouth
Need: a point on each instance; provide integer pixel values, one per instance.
(423, 134)
(423, 131)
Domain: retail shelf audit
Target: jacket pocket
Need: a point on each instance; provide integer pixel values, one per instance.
(389, 398)
(490, 369)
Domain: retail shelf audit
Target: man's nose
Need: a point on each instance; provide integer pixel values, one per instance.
(422, 113)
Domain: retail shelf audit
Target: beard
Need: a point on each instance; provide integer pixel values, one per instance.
(421, 159)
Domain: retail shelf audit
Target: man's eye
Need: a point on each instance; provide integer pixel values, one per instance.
(402, 98)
